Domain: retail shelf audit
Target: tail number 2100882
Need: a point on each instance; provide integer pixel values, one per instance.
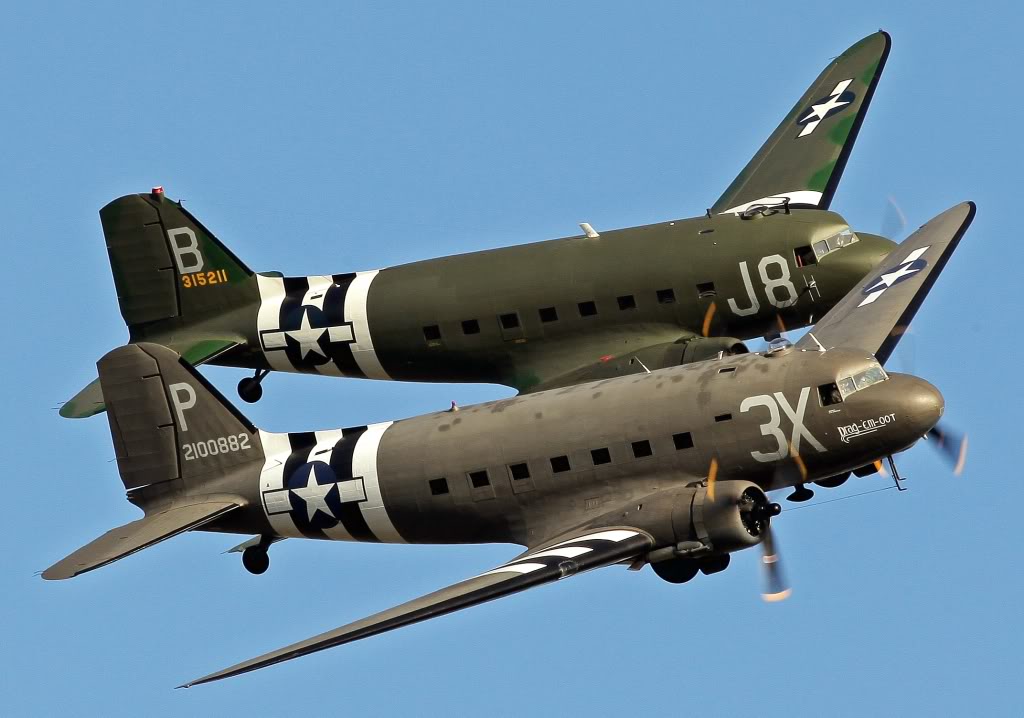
(213, 447)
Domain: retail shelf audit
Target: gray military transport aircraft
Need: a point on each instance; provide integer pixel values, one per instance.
(667, 467)
(768, 254)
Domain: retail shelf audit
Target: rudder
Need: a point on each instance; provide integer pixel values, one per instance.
(169, 270)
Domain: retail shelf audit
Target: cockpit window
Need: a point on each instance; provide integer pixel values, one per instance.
(836, 241)
(861, 380)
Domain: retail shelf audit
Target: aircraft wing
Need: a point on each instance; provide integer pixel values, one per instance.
(589, 549)
(874, 316)
(804, 158)
(89, 401)
(587, 359)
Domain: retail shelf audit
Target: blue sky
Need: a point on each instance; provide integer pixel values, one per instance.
(346, 137)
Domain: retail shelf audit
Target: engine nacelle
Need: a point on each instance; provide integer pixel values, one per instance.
(734, 520)
(703, 348)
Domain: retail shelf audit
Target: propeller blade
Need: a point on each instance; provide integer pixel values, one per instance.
(894, 222)
(952, 445)
(775, 586)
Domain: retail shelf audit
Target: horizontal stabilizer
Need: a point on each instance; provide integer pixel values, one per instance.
(125, 540)
(89, 401)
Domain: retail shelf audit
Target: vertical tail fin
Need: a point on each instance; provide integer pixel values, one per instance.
(181, 449)
(170, 271)
(172, 430)
(803, 160)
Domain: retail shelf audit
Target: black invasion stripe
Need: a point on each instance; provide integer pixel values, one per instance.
(341, 463)
(302, 443)
(334, 312)
(295, 289)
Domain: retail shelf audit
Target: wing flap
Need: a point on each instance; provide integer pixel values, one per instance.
(874, 316)
(588, 550)
(137, 535)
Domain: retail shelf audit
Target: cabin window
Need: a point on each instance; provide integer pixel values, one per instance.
(519, 471)
(559, 464)
(683, 441)
(470, 326)
(479, 479)
(548, 314)
(804, 256)
(601, 456)
(706, 290)
(666, 296)
(432, 333)
(723, 417)
(509, 321)
(641, 449)
(829, 394)
(587, 309)
(438, 487)
(627, 301)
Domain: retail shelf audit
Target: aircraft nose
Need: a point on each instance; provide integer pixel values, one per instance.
(868, 252)
(921, 402)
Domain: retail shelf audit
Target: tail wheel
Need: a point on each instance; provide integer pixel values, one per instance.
(250, 390)
(256, 560)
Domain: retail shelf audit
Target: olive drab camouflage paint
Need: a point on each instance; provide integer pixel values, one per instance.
(634, 469)
(536, 316)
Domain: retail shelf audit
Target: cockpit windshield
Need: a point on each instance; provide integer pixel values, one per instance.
(861, 380)
(836, 241)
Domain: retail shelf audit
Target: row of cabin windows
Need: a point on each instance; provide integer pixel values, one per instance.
(804, 256)
(560, 464)
(432, 332)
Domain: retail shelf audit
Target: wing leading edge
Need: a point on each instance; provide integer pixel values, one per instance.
(588, 550)
(874, 316)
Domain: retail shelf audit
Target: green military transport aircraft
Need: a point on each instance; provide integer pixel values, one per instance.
(667, 468)
(768, 254)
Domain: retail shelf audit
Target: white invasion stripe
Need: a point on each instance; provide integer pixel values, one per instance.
(269, 318)
(276, 448)
(314, 297)
(520, 568)
(567, 552)
(615, 535)
(800, 196)
(355, 313)
(364, 464)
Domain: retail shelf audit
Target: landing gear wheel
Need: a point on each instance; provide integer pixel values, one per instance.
(834, 482)
(676, 570)
(714, 564)
(256, 560)
(250, 389)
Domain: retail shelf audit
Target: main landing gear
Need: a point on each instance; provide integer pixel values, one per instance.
(681, 570)
(250, 389)
(256, 558)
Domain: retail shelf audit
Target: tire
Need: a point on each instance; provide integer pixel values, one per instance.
(250, 390)
(255, 560)
(676, 570)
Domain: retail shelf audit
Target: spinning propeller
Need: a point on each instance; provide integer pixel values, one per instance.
(758, 515)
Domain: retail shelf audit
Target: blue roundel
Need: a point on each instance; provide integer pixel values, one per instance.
(313, 494)
(894, 276)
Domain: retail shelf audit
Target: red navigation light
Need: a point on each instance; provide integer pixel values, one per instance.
(157, 192)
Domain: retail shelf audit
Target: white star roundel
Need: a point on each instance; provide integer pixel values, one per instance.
(825, 107)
